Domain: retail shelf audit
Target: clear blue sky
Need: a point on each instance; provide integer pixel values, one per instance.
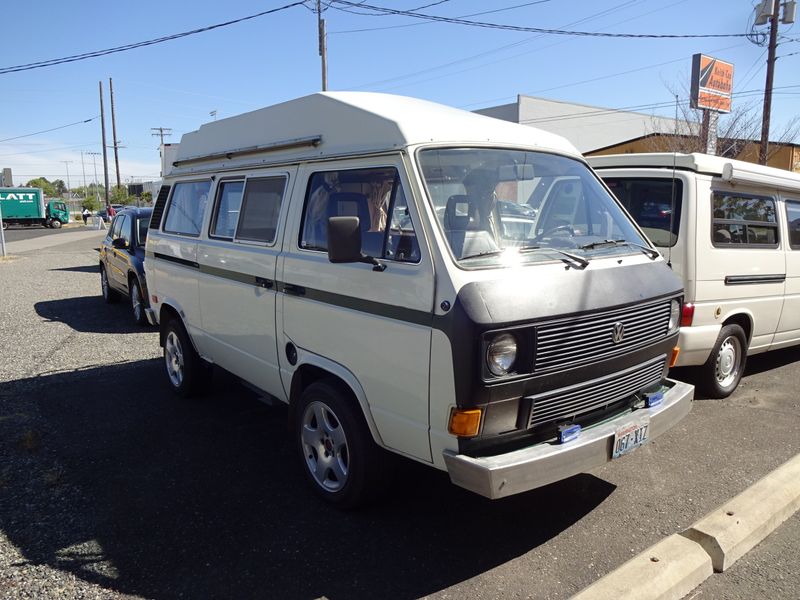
(274, 58)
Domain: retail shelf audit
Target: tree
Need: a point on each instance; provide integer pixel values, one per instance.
(41, 182)
(737, 132)
(147, 197)
(119, 195)
(59, 186)
(91, 203)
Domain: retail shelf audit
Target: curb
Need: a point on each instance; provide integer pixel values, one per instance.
(676, 565)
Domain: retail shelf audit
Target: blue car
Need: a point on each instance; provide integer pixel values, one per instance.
(122, 261)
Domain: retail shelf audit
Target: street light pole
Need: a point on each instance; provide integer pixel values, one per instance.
(83, 168)
(66, 163)
(94, 162)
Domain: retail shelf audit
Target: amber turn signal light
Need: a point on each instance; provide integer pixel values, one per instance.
(675, 353)
(465, 423)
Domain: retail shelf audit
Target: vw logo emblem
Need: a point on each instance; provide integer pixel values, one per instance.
(618, 332)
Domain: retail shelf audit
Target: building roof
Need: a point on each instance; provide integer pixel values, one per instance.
(587, 127)
(348, 122)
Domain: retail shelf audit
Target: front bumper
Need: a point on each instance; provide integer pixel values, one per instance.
(545, 463)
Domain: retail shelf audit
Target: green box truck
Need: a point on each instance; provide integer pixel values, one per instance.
(27, 206)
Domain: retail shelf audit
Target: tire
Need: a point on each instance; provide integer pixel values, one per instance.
(137, 301)
(187, 373)
(109, 295)
(723, 370)
(55, 224)
(342, 463)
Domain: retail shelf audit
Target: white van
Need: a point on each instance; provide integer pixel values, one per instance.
(377, 262)
(732, 232)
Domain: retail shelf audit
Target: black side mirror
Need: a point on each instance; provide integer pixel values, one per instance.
(119, 243)
(344, 243)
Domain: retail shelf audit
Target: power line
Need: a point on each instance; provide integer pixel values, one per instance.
(166, 38)
(457, 21)
(49, 130)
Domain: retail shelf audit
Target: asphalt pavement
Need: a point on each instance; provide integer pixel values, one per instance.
(111, 487)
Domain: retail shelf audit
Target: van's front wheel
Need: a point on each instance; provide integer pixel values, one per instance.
(723, 370)
(339, 457)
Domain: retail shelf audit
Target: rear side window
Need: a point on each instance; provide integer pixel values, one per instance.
(376, 197)
(186, 207)
(226, 215)
(654, 203)
(740, 220)
(793, 218)
(261, 207)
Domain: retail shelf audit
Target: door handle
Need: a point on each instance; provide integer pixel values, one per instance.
(294, 290)
(264, 283)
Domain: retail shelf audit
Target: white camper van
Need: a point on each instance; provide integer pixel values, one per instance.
(731, 230)
(417, 279)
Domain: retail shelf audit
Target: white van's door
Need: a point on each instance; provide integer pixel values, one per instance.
(789, 325)
(374, 325)
(237, 271)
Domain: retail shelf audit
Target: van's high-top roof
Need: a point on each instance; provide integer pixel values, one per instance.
(733, 171)
(336, 123)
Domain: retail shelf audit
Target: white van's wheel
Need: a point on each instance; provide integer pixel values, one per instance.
(338, 454)
(187, 373)
(724, 368)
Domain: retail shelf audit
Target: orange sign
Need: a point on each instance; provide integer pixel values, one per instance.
(712, 83)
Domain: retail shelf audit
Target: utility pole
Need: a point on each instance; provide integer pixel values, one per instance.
(105, 151)
(770, 9)
(83, 168)
(161, 132)
(323, 46)
(94, 162)
(114, 128)
(69, 187)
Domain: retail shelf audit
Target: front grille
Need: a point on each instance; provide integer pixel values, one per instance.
(566, 403)
(569, 343)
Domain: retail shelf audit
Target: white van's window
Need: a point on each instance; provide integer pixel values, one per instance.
(261, 207)
(740, 220)
(376, 197)
(793, 218)
(501, 207)
(186, 207)
(654, 203)
(226, 213)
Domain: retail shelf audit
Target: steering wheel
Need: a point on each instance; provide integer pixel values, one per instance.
(563, 227)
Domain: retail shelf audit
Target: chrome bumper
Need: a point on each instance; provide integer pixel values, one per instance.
(539, 465)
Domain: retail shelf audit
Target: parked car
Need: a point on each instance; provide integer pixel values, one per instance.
(103, 214)
(122, 261)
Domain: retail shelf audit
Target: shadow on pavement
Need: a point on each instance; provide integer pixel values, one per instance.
(146, 494)
(89, 314)
(81, 269)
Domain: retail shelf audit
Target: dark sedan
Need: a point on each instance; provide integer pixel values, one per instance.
(122, 260)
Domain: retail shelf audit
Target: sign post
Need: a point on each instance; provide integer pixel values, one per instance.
(712, 85)
(2, 233)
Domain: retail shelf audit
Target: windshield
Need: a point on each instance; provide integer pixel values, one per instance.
(655, 204)
(499, 207)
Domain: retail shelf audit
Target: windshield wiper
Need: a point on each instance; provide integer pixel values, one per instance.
(652, 254)
(479, 254)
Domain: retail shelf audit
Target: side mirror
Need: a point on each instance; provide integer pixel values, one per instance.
(344, 243)
(119, 243)
(344, 240)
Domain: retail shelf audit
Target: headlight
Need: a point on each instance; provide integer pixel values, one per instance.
(501, 354)
(674, 316)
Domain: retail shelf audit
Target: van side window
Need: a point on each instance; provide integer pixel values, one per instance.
(226, 212)
(376, 197)
(261, 206)
(743, 220)
(793, 218)
(650, 201)
(186, 207)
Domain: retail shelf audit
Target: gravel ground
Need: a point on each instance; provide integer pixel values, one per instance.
(49, 328)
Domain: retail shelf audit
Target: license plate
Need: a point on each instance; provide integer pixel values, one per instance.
(630, 436)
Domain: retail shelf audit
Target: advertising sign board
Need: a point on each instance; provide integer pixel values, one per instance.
(712, 83)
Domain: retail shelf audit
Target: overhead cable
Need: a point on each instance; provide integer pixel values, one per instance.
(49, 130)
